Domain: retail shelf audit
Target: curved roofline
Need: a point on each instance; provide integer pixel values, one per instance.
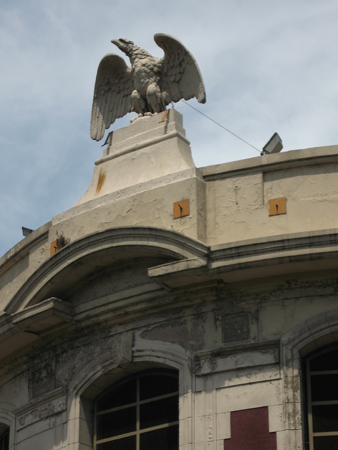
(116, 240)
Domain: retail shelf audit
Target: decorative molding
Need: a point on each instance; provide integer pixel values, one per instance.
(238, 356)
(232, 348)
(43, 399)
(165, 352)
(312, 334)
(293, 246)
(144, 144)
(260, 257)
(162, 241)
(304, 338)
(42, 408)
(272, 162)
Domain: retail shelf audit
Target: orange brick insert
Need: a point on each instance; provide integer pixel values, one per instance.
(277, 206)
(181, 209)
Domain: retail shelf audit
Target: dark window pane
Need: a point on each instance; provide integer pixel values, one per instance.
(159, 412)
(325, 361)
(324, 387)
(156, 385)
(128, 443)
(325, 442)
(116, 423)
(164, 439)
(325, 418)
(124, 394)
(4, 440)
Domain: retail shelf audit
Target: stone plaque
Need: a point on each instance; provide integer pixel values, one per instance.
(235, 327)
(42, 377)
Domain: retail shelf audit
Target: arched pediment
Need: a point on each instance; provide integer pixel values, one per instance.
(74, 263)
(311, 335)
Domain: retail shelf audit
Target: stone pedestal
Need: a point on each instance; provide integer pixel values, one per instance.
(145, 169)
(148, 149)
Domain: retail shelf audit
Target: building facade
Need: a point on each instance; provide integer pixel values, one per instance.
(177, 307)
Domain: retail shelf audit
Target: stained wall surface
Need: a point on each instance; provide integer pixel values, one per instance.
(234, 296)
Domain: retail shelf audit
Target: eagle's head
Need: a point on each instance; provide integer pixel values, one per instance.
(124, 45)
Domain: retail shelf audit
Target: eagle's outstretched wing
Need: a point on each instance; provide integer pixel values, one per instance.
(112, 91)
(180, 77)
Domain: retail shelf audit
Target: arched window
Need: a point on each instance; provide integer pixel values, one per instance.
(4, 438)
(322, 399)
(140, 413)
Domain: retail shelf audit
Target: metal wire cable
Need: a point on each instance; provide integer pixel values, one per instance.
(212, 120)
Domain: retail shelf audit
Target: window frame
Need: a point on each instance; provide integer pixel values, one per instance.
(139, 431)
(310, 434)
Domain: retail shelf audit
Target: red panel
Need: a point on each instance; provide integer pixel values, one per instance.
(250, 431)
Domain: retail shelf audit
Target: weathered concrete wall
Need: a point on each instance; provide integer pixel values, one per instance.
(228, 203)
(21, 261)
(150, 207)
(238, 195)
(224, 370)
(227, 295)
(235, 207)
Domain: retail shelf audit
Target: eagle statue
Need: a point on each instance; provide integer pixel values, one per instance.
(148, 86)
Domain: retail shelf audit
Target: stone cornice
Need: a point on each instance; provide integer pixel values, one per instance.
(267, 163)
(288, 245)
(254, 258)
(195, 267)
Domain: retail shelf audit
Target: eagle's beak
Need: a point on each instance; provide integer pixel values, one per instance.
(116, 42)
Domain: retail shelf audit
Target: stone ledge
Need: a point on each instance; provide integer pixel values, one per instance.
(144, 144)
(238, 357)
(165, 270)
(44, 315)
(42, 407)
(276, 161)
(255, 258)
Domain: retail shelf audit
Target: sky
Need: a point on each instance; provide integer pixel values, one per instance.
(268, 66)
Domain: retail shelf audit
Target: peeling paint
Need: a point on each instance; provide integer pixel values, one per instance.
(178, 332)
(42, 413)
(227, 337)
